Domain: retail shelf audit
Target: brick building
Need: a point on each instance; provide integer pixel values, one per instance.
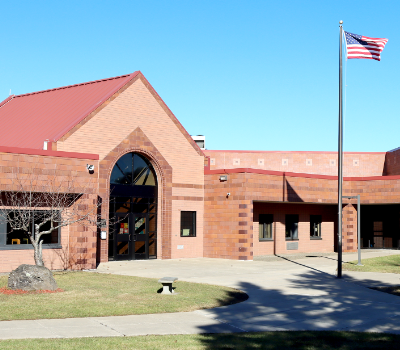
(164, 197)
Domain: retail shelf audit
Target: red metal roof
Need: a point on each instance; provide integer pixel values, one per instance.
(30, 119)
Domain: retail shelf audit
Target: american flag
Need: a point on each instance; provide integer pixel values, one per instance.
(359, 46)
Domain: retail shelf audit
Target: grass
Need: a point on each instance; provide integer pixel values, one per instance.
(385, 264)
(263, 340)
(88, 294)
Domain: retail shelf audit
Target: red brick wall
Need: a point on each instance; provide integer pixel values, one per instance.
(306, 245)
(392, 162)
(324, 163)
(78, 243)
(229, 230)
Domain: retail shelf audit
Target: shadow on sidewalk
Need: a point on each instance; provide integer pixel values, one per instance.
(314, 300)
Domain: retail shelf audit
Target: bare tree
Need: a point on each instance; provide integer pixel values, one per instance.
(38, 204)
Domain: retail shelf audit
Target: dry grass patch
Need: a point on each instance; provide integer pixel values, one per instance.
(88, 294)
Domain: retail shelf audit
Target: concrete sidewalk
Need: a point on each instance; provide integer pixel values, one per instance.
(287, 293)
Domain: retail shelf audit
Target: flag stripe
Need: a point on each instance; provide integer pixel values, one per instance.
(359, 46)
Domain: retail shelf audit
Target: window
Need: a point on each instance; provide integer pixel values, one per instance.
(315, 226)
(292, 224)
(265, 226)
(18, 239)
(188, 224)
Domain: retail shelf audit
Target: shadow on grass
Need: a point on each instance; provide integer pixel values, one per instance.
(301, 340)
(311, 301)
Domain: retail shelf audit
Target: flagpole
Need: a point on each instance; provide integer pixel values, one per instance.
(340, 155)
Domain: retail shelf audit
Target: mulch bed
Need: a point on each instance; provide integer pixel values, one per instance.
(8, 291)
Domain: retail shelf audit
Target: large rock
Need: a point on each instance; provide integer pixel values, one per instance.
(31, 277)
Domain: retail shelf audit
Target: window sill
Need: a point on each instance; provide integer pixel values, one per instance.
(265, 239)
(187, 236)
(29, 246)
(292, 239)
(316, 238)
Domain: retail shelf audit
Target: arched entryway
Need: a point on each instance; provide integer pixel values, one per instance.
(133, 209)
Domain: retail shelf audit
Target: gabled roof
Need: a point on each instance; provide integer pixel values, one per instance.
(30, 119)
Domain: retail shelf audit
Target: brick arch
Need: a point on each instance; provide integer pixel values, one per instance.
(138, 142)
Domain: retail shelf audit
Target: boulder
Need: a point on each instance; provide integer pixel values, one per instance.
(31, 277)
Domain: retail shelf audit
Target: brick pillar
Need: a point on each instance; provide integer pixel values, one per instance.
(245, 230)
(349, 228)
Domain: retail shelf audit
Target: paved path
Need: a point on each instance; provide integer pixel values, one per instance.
(285, 294)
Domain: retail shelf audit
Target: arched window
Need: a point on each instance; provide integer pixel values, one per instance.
(133, 169)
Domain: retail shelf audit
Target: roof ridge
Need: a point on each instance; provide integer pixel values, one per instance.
(74, 85)
(8, 99)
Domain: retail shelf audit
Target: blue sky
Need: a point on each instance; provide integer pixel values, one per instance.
(250, 75)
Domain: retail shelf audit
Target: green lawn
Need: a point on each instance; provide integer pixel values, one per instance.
(386, 264)
(249, 341)
(94, 294)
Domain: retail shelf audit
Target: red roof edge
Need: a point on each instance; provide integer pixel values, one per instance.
(39, 152)
(129, 77)
(194, 144)
(303, 175)
(9, 98)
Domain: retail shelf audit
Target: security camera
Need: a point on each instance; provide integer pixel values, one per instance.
(90, 168)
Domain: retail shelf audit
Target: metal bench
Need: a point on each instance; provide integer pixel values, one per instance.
(167, 284)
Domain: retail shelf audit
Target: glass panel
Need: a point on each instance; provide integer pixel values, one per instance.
(152, 223)
(315, 225)
(123, 225)
(261, 230)
(140, 226)
(152, 235)
(122, 171)
(139, 205)
(122, 204)
(188, 223)
(152, 205)
(152, 247)
(123, 248)
(265, 225)
(292, 222)
(142, 174)
(140, 247)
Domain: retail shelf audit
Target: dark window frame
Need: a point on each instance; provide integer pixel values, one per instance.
(289, 231)
(315, 219)
(265, 221)
(5, 246)
(185, 223)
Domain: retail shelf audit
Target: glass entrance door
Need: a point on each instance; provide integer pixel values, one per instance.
(131, 237)
(140, 237)
(133, 209)
(122, 237)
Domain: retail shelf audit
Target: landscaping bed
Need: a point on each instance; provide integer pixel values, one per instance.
(89, 294)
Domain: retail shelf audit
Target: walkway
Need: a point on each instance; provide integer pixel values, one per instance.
(285, 294)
